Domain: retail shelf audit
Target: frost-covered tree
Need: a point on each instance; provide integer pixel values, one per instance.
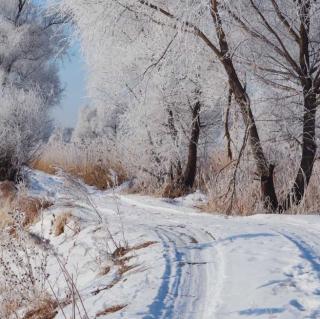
(31, 40)
(24, 124)
(139, 52)
(156, 96)
(283, 37)
(289, 31)
(95, 122)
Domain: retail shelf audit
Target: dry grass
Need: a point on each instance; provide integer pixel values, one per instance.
(311, 203)
(104, 270)
(43, 309)
(60, 223)
(121, 260)
(110, 310)
(9, 308)
(92, 174)
(122, 251)
(5, 218)
(44, 166)
(8, 191)
(217, 181)
(31, 207)
(112, 284)
(171, 190)
(124, 268)
(87, 163)
(246, 200)
(144, 245)
(12, 200)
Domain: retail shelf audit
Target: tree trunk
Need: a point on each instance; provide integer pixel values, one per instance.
(264, 169)
(191, 168)
(175, 167)
(309, 149)
(309, 146)
(226, 125)
(8, 171)
(268, 191)
(183, 181)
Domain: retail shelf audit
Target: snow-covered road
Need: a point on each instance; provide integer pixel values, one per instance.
(215, 267)
(202, 266)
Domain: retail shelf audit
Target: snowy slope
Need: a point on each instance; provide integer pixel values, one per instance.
(201, 266)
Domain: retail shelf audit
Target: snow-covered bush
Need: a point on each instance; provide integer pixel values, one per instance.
(31, 41)
(24, 124)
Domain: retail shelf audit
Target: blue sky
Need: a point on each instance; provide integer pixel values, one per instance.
(73, 78)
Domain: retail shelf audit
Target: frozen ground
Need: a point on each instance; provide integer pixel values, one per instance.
(201, 266)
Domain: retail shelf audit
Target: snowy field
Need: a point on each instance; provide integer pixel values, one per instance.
(183, 263)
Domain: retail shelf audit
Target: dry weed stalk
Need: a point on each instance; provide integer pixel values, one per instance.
(23, 273)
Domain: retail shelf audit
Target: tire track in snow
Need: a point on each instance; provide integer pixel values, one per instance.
(163, 305)
(192, 281)
(185, 291)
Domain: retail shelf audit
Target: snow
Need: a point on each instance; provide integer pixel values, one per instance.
(202, 266)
